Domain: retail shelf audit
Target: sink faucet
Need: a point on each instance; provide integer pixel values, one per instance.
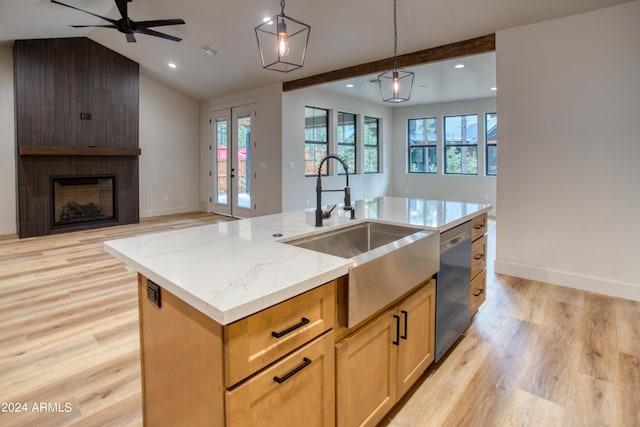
(347, 192)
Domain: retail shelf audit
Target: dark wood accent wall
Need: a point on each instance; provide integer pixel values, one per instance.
(76, 114)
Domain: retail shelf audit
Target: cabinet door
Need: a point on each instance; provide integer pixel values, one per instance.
(296, 391)
(366, 373)
(416, 349)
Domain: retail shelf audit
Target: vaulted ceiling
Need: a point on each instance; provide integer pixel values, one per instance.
(343, 33)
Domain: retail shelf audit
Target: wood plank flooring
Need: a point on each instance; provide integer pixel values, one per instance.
(536, 354)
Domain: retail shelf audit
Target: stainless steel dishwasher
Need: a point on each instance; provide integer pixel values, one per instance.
(453, 285)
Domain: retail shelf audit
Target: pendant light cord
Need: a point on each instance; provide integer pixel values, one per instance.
(395, 33)
(282, 7)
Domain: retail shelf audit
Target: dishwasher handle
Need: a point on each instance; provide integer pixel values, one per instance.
(455, 241)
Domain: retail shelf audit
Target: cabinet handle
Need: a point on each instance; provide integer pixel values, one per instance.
(303, 321)
(478, 292)
(478, 226)
(406, 321)
(478, 257)
(305, 362)
(397, 340)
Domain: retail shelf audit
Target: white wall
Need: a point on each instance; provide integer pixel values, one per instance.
(478, 188)
(7, 144)
(267, 155)
(569, 151)
(299, 191)
(169, 176)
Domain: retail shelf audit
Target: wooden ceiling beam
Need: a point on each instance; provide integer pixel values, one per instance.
(474, 46)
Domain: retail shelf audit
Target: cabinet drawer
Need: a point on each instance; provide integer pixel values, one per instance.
(478, 226)
(478, 291)
(298, 390)
(258, 340)
(478, 256)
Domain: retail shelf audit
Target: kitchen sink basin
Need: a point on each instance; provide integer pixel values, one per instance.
(388, 261)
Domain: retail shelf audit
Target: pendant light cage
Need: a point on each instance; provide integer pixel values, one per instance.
(282, 42)
(397, 83)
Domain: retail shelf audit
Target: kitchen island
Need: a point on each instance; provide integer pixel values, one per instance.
(208, 294)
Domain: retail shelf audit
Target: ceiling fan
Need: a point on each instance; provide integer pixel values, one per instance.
(128, 27)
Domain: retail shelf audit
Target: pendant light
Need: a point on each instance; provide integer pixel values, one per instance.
(395, 84)
(282, 42)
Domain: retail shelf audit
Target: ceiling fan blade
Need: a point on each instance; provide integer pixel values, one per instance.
(96, 26)
(159, 23)
(149, 32)
(130, 38)
(113, 21)
(122, 8)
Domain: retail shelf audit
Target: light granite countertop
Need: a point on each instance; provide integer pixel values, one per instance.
(233, 269)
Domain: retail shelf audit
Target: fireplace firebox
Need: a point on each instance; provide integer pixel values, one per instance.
(77, 200)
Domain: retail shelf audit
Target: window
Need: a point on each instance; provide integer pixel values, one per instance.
(461, 145)
(316, 142)
(491, 137)
(371, 146)
(422, 146)
(347, 141)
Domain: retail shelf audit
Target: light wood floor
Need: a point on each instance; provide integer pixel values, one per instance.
(536, 354)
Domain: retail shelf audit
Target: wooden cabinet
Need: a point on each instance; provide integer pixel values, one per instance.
(478, 262)
(258, 340)
(378, 363)
(298, 390)
(273, 368)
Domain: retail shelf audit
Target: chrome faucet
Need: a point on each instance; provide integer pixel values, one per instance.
(347, 192)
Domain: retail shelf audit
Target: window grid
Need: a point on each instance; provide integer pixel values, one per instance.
(461, 145)
(347, 135)
(371, 145)
(491, 139)
(316, 144)
(422, 145)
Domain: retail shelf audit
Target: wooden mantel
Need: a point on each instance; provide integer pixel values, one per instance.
(27, 150)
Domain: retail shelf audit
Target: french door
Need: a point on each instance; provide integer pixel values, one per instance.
(233, 141)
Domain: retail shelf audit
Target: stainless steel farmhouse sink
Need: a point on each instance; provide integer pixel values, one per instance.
(388, 261)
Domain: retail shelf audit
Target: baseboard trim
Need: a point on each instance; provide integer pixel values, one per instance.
(169, 211)
(597, 285)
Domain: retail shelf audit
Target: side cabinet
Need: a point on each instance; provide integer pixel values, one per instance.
(378, 363)
(478, 262)
(273, 368)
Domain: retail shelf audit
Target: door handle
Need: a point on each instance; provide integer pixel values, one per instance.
(406, 322)
(397, 340)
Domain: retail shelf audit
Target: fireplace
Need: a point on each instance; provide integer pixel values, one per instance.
(77, 200)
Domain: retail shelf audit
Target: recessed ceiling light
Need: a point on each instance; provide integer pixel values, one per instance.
(494, 88)
(458, 66)
(349, 85)
(172, 65)
(267, 19)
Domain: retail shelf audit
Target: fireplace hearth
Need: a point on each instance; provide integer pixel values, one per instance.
(82, 199)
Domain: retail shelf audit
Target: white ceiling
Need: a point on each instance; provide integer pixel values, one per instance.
(343, 33)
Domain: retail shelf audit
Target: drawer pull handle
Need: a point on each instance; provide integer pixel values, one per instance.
(478, 292)
(406, 321)
(397, 340)
(478, 226)
(303, 322)
(478, 257)
(305, 362)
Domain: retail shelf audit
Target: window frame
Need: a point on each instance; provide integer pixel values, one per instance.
(313, 142)
(353, 144)
(487, 145)
(460, 144)
(370, 146)
(425, 147)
